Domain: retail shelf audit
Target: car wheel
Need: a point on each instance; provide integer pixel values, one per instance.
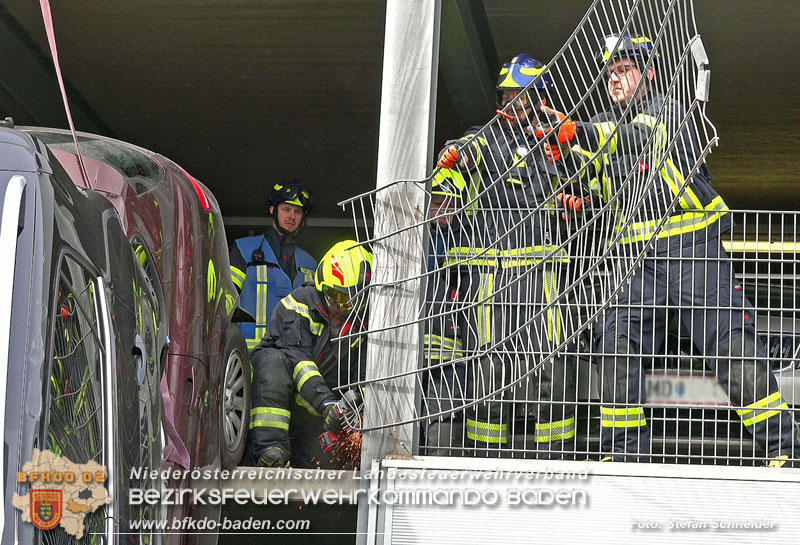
(235, 400)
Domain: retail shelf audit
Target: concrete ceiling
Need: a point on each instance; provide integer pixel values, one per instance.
(243, 93)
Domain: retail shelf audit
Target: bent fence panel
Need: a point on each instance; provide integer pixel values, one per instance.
(643, 326)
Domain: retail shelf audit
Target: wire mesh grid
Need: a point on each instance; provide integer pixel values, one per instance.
(622, 330)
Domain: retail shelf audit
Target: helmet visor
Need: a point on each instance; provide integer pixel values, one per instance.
(339, 301)
(521, 99)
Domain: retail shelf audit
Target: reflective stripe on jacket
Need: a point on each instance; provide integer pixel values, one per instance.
(300, 328)
(653, 128)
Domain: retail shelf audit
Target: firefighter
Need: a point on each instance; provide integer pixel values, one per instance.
(445, 383)
(267, 267)
(514, 269)
(303, 358)
(686, 270)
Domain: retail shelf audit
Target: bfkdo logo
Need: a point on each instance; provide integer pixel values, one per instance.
(56, 492)
(46, 508)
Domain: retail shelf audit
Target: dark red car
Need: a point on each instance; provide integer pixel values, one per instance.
(175, 226)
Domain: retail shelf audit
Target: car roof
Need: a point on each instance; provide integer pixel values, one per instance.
(141, 169)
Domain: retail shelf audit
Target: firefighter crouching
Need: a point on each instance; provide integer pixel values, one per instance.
(303, 357)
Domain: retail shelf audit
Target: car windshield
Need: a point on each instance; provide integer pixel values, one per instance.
(140, 171)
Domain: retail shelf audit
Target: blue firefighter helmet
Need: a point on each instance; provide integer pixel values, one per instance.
(520, 72)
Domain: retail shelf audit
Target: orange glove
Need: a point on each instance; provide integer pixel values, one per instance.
(451, 156)
(552, 153)
(573, 203)
(566, 132)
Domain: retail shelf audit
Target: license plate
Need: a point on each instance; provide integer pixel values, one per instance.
(683, 390)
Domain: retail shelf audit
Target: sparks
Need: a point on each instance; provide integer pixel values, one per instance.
(347, 452)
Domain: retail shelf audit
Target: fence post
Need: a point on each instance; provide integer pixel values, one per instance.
(408, 108)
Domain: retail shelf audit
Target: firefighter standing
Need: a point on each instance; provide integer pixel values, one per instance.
(303, 357)
(514, 268)
(446, 381)
(687, 270)
(267, 267)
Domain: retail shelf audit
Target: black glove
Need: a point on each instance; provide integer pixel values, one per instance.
(333, 417)
(344, 414)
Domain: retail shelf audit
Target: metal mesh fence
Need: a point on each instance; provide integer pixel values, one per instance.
(622, 330)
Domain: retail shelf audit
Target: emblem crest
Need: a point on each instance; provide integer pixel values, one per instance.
(46, 508)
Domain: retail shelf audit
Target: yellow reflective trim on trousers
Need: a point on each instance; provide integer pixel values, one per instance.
(622, 418)
(238, 276)
(439, 341)
(270, 417)
(442, 348)
(487, 432)
(553, 313)
(303, 371)
(485, 310)
(762, 409)
(468, 250)
(554, 431)
(270, 410)
(541, 251)
(293, 304)
(261, 303)
(252, 343)
(268, 424)
(443, 355)
(687, 222)
(763, 414)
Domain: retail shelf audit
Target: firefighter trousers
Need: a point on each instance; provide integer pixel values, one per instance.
(518, 326)
(444, 379)
(446, 390)
(697, 282)
(280, 416)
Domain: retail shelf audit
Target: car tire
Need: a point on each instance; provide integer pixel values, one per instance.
(234, 413)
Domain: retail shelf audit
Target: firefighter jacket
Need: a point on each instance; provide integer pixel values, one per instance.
(321, 360)
(515, 223)
(256, 272)
(647, 148)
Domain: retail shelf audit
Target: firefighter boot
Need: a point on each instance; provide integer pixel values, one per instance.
(273, 457)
